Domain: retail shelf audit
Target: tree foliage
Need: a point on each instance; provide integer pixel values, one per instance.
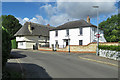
(11, 24)
(6, 46)
(111, 28)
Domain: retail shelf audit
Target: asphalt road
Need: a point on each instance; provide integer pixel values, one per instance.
(41, 64)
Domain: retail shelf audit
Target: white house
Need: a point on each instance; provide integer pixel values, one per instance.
(78, 32)
(33, 35)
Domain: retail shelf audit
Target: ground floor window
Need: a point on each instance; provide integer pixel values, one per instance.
(56, 42)
(80, 42)
(21, 43)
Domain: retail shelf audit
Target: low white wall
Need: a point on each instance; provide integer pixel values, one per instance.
(109, 54)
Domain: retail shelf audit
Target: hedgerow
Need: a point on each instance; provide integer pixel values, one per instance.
(111, 47)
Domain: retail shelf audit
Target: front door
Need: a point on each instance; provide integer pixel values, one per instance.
(66, 42)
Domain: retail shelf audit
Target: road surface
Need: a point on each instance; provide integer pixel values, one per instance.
(41, 64)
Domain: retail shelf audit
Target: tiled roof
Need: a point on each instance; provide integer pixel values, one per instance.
(74, 24)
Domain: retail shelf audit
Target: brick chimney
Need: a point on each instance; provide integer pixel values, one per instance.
(29, 27)
(88, 19)
(48, 24)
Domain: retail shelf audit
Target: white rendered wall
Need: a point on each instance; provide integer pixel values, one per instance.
(32, 38)
(74, 36)
(93, 35)
(29, 41)
(21, 46)
(29, 45)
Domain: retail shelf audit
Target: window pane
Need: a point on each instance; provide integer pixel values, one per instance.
(80, 42)
(67, 31)
(56, 33)
(81, 31)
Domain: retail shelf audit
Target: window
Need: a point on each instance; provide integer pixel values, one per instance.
(21, 43)
(81, 31)
(56, 33)
(80, 42)
(56, 42)
(38, 36)
(94, 30)
(67, 32)
(32, 28)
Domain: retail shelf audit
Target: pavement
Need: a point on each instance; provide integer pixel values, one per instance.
(47, 64)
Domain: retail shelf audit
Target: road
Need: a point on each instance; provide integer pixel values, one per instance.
(41, 64)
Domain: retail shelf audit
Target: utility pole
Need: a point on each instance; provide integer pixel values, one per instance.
(69, 41)
(97, 7)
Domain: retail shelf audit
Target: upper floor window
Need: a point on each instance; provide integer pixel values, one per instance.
(81, 31)
(67, 32)
(56, 33)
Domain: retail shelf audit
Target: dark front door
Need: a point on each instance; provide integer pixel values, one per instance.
(66, 42)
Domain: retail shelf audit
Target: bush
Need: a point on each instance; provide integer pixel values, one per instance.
(14, 44)
(111, 47)
(6, 46)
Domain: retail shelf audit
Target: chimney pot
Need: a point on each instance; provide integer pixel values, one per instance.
(88, 19)
(48, 24)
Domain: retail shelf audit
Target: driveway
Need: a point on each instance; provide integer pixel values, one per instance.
(41, 64)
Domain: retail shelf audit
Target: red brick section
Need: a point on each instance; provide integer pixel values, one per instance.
(78, 51)
(96, 43)
(44, 50)
(70, 51)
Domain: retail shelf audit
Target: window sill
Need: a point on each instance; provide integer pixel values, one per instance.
(80, 35)
(67, 35)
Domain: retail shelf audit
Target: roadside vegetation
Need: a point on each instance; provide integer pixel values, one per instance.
(10, 25)
(111, 28)
(111, 47)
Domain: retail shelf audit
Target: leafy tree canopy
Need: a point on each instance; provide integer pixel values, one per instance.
(11, 24)
(111, 28)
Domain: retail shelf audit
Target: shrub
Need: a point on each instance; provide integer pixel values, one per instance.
(111, 47)
(6, 46)
(14, 44)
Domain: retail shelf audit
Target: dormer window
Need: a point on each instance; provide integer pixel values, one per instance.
(32, 28)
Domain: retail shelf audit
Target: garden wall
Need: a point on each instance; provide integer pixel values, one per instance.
(90, 48)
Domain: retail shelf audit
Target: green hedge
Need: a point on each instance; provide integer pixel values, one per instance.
(14, 44)
(111, 47)
(6, 46)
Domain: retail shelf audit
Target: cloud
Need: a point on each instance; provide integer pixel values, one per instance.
(49, 9)
(57, 20)
(77, 9)
(73, 10)
(37, 19)
(83, 9)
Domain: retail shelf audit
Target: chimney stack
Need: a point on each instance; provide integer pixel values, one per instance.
(88, 19)
(29, 27)
(48, 24)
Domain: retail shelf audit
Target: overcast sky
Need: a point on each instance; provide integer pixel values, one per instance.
(58, 12)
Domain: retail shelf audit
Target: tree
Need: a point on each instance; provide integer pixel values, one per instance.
(6, 46)
(111, 28)
(11, 24)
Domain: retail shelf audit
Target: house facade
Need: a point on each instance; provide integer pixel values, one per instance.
(33, 35)
(79, 32)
